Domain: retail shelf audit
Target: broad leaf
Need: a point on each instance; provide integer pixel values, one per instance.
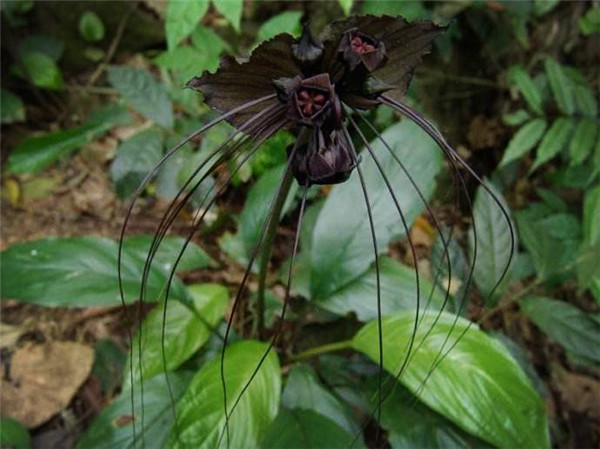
(232, 10)
(519, 78)
(11, 108)
(201, 414)
(567, 325)
(182, 18)
(413, 10)
(142, 92)
(590, 22)
(490, 241)
(302, 429)
(398, 292)
(554, 141)
(13, 434)
(585, 100)
(186, 328)
(77, 272)
(91, 27)
(524, 140)
(135, 158)
(114, 427)
(561, 86)
(304, 391)
(583, 140)
(471, 379)
(342, 244)
(41, 70)
(346, 6)
(285, 22)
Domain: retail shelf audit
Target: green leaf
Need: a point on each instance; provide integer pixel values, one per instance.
(304, 391)
(182, 18)
(582, 143)
(193, 258)
(42, 43)
(41, 70)
(109, 363)
(342, 246)
(519, 78)
(346, 6)
(553, 141)
(567, 325)
(114, 427)
(200, 413)
(35, 153)
(516, 118)
(285, 22)
(256, 208)
(13, 434)
(476, 384)
(551, 240)
(11, 108)
(492, 241)
(272, 153)
(398, 292)
(302, 429)
(413, 10)
(590, 22)
(585, 101)
(135, 158)
(561, 86)
(232, 10)
(524, 140)
(185, 331)
(91, 27)
(543, 7)
(142, 92)
(76, 272)
(591, 216)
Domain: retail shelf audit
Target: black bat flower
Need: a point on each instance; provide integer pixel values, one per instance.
(316, 87)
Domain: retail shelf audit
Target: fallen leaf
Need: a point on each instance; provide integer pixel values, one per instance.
(43, 380)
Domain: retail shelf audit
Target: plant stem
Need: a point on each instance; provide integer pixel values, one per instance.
(265, 255)
(323, 349)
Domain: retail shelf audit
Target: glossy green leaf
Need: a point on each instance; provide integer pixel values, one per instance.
(476, 384)
(554, 141)
(304, 391)
(346, 5)
(590, 22)
(76, 272)
(35, 153)
(232, 10)
(201, 415)
(302, 429)
(182, 18)
(193, 258)
(256, 208)
(41, 70)
(583, 140)
(142, 92)
(567, 325)
(524, 140)
(561, 86)
(13, 434)
(493, 240)
(285, 22)
(551, 240)
(516, 118)
(519, 78)
(185, 331)
(11, 109)
(398, 292)
(135, 158)
(113, 428)
(342, 246)
(91, 27)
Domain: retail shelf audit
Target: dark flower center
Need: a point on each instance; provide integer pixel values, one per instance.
(361, 46)
(310, 101)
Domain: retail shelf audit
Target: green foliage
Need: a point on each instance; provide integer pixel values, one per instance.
(11, 108)
(286, 22)
(232, 10)
(200, 413)
(590, 22)
(13, 434)
(470, 382)
(91, 27)
(36, 153)
(182, 18)
(40, 69)
(143, 93)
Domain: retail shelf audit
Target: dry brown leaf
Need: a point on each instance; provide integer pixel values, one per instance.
(43, 380)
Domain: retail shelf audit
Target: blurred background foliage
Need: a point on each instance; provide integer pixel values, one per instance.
(92, 97)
